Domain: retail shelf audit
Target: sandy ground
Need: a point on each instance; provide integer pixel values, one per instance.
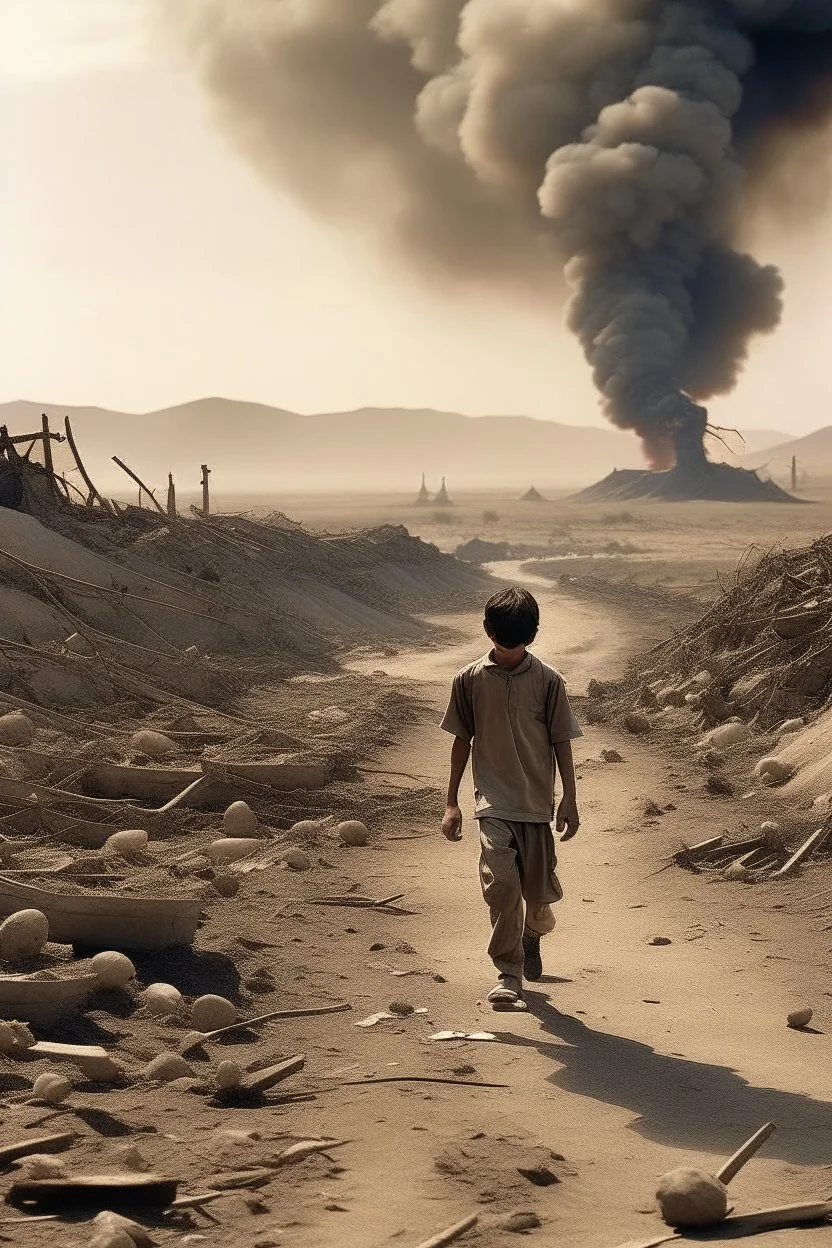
(632, 1059)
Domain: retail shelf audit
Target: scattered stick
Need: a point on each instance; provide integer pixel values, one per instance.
(38, 1144)
(457, 1083)
(815, 841)
(451, 1233)
(702, 847)
(358, 903)
(151, 494)
(195, 1038)
(744, 1154)
(777, 1217)
(265, 1079)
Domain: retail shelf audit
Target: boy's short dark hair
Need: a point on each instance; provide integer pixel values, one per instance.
(512, 617)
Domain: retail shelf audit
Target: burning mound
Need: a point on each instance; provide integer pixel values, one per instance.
(763, 651)
(718, 483)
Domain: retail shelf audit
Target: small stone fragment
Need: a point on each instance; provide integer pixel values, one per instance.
(210, 1012)
(297, 860)
(15, 1038)
(240, 820)
(125, 844)
(731, 733)
(660, 940)
(108, 1222)
(23, 935)
(800, 1018)
(773, 770)
(737, 871)
(231, 849)
(611, 756)
(16, 729)
(690, 1197)
(225, 884)
(167, 1067)
(153, 744)
(519, 1223)
(229, 1076)
(162, 999)
(354, 833)
(51, 1088)
(114, 970)
(637, 724)
(401, 1008)
(719, 785)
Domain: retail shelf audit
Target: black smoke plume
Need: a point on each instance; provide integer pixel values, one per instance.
(621, 142)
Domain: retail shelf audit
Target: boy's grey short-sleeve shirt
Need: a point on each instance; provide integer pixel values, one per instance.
(514, 718)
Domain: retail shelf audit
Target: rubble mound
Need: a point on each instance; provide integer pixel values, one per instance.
(717, 483)
(766, 644)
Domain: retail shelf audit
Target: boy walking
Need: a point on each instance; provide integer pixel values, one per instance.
(516, 712)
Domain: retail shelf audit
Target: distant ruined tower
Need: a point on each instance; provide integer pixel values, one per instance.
(423, 498)
(442, 499)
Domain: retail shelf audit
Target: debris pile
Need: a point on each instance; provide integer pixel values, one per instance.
(765, 645)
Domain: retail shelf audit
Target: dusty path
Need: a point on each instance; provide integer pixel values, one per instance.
(633, 1058)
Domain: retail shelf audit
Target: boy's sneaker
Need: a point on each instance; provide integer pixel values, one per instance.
(532, 961)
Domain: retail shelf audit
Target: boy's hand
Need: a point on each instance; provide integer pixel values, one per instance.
(452, 823)
(568, 820)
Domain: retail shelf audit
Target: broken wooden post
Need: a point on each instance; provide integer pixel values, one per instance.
(171, 497)
(140, 484)
(206, 501)
(47, 448)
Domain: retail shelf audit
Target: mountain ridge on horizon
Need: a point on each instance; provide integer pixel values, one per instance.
(259, 447)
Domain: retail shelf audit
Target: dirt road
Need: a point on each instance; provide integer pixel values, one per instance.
(633, 1058)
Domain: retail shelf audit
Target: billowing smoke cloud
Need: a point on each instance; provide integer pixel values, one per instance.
(509, 141)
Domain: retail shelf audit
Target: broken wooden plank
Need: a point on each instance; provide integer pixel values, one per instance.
(196, 1038)
(104, 1191)
(37, 1144)
(815, 841)
(451, 1233)
(91, 1059)
(265, 1079)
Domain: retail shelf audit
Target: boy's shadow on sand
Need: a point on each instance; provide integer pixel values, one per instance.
(679, 1102)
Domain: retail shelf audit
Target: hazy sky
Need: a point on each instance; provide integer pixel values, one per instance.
(144, 264)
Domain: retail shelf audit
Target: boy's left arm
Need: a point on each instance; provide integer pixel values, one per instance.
(563, 730)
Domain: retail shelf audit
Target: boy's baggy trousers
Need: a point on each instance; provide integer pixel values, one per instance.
(517, 863)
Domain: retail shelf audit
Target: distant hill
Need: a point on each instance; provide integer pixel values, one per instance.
(813, 453)
(256, 448)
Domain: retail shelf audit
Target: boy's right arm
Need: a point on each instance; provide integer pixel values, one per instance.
(452, 823)
(459, 721)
